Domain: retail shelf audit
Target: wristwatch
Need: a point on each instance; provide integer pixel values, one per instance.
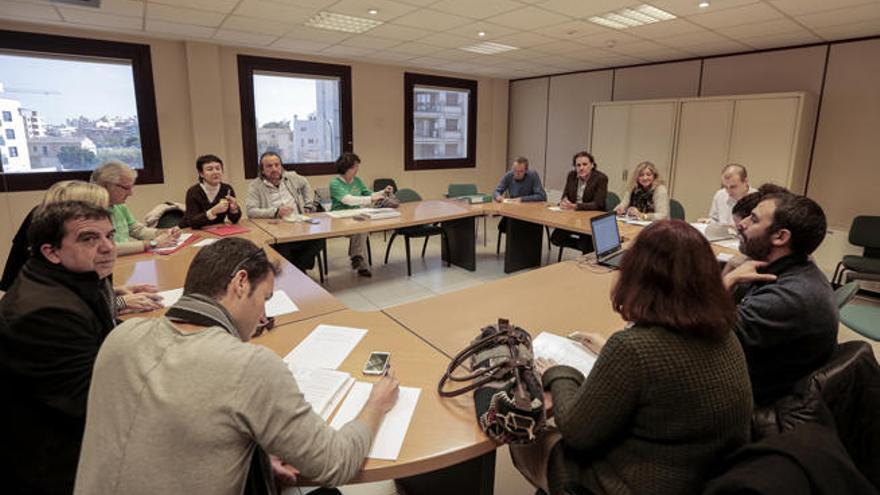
(153, 243)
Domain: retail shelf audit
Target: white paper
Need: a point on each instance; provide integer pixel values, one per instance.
(345, 213)
(206, 241)
(723, 257)
(554, 208)
(392, 431)
(170, 297)
(323, 389)
(180, 240)
(563, 350)
(293, 217)
(280, 304)
(730, 244)
(326, 347)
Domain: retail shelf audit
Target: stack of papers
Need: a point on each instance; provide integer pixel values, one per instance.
(207, 241)
(323, 389)
(392, 431)
(563, 350)
(180, 242)
(294, 217)
(326, 347)
(378, 213)
(345, 213)
(279, 304)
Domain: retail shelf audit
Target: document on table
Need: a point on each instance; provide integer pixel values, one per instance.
(326, 347)
(323, 389)
(280, 304)
(206, 241)
(563, 350)
(554, 208)
(730, 244)
(723, 257)
(180, 240)
(392, 431)
(169, 297)
(345, 213)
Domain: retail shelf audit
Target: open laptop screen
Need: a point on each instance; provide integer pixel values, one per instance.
(606, 237)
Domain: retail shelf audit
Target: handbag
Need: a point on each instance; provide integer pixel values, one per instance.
(508, 395)
(389, 200)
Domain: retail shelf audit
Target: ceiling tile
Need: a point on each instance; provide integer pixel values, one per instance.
(431, 62)
(476, 10)
(692, 39)
(370, 42)
(524, 39)
(301, 32)
(301, 46)
(493, 31)
(802, 37)
(528, 18)
(690, 7)
(642, 49)
(417, 49)
(183, 15)
(591, 54)
(717, 48)
(839, 17)
(736, 16)
(391, 56)
(346, 51)
(224, 6)
(128, 8)
(571, 30)
(460, 67)
(311, 4)
(844, 31)
(758, 29)
(584, 8)
(27, 11)
(387, 9)
(244, 38)
(395, 32)
(264, 9)
(612, 37)
(446, 40)
(557, 61)
(431, 20)
(560, 47)
(185, 30)
(524, 54)
(81, 16)
(802, 7)
(254, 25)
(664, 29)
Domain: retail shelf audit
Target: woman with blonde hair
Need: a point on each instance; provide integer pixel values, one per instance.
(645, 197)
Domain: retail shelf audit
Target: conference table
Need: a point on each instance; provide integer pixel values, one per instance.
(444, 450)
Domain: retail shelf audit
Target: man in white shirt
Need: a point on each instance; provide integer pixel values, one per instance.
(735, 185)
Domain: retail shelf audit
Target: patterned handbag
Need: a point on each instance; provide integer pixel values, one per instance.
(508, 396)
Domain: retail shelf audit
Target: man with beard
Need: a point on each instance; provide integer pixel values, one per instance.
(787, 318)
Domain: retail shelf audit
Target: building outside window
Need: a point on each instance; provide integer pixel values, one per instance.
(441, 122)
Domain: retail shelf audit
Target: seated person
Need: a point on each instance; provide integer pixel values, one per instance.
(667, 398)
(787, 318)
(646, 197)
(132, 299)
(521, 185)
(52, 323)
(585, 189)
(348, 191)
(279, 193)
(131, 236)
(150, 431)
(211, 201)
(734, 186)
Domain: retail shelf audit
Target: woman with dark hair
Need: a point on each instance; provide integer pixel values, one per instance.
(348, 191)
(210, 201)
(667, 397)
(585, 190)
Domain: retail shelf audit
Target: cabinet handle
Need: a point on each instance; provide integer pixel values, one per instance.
(625, 174)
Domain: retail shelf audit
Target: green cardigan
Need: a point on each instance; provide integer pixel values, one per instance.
(657, 412)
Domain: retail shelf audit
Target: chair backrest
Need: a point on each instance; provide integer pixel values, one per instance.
(456, 190)
(407, 195)
(171, 218)
(382, 183)
(844, 294)
(865, 232)
(611, 201)
(676, 210)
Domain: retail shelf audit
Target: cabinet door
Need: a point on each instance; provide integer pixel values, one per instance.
(763, 138)
(650, 138)
(609, 142)
(701, 153)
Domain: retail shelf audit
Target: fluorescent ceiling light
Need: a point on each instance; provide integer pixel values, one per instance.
(340, 22)
(489, 48)
(632, 17)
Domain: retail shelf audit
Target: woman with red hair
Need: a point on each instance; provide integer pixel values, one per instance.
(668, 396)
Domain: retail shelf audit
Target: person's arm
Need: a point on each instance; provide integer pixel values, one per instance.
(502, 187)
(233, 216)
(589, 412)
(253, 203)
(537, 192)
(624, 203)
(762, 319)
(140, 231)
(196, 214)
(600, 192)
(344, 196)
(308, 195)
(130, 247)
(661, 204)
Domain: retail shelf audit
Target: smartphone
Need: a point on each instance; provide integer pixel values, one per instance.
(377, 363)
(313, 221)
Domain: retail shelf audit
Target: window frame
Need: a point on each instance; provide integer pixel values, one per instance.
(247, 65)
(410, 81)
(67, 47)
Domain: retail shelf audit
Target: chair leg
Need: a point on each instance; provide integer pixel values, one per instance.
(445, 241)
(549, 244)
(498, 244)
(561, 247)
(326, 263)
(834, 281)
(320, 266)
(388, 247)
(484, 230)
(408, 266)
(369, 251)
(425, 245)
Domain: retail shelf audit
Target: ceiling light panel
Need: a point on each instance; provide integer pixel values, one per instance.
(632, 17)
(489, 48)
(340, 22)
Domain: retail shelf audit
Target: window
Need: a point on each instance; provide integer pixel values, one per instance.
(440, 115)
(97, 105)
(300, 110)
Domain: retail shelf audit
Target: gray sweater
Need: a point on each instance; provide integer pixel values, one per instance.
(656, 413)
(177, 412)
(259, 197)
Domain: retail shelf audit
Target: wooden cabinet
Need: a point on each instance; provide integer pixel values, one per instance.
(766, 133)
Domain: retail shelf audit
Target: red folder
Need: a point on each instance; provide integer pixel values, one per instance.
(223, 230)
(193, 238)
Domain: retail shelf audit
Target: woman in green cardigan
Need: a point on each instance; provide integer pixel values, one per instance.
(667, 398)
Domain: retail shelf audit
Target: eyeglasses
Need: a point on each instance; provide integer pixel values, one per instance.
(252, 256)
(124, 188)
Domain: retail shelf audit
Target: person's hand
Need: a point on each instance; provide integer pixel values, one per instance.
(747, 272)
(634, 212)
(593, 342)
(233, 204)
(167, 239)
(498, 198)
(222, 206)
(389, 190)
(284, 210)
(704, 220)
(141, 302)
(376, 196)
(285, 474)
(565, 204)
(619, 211)
(543, 364)
(385, 392)
(548, 403)
(137, 288)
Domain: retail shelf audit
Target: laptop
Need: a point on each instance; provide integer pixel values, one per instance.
(606, 240)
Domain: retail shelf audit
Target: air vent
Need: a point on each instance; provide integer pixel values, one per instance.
(95, 4)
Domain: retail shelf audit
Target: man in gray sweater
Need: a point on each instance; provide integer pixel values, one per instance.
(184, 404)
(788, 319)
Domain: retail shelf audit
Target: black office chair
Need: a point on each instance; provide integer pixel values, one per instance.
(171, 218)
(382, 183)
(426, 231)
(611, 201)
(865, 232)
(676, 210)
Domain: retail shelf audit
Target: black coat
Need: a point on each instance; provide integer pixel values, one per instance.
(52, 323)
(595, 192)
(197, 206)
(18, 253)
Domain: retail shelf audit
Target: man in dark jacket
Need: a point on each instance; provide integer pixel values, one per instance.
(788, 319)
(52, 323)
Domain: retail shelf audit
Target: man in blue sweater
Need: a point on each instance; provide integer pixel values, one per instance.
(521, 185)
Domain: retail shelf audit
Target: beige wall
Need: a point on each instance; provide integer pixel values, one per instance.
(198, 109)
